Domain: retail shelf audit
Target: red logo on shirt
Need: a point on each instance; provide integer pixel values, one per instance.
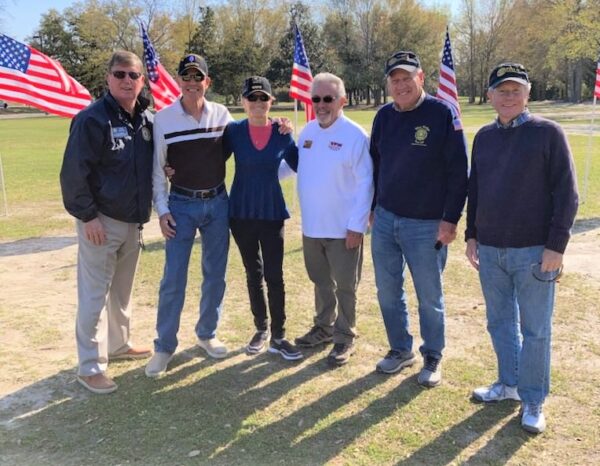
(335, 145)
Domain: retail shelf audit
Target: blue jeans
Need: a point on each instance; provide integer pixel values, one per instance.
(211, 217)
(519, 313)
(398, 241)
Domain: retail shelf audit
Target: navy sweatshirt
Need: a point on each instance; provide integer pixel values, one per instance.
(522, 187)
(419, 161)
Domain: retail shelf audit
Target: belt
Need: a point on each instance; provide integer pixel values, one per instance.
(203, 194)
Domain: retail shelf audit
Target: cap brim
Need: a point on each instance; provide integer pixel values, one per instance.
(192, 67)
(409, 68)
(246, 94)
(510, 78)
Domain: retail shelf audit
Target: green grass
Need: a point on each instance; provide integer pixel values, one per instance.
(262, 410)
(32, 148)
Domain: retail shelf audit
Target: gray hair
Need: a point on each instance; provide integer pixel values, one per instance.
(125, 58)
(332, 79)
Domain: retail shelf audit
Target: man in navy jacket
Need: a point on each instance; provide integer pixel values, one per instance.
(106, 182)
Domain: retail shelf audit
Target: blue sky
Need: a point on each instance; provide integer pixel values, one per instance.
(22, 17)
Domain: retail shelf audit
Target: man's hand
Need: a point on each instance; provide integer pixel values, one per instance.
(167, 225)
(169, 171)
(94, 232)
(285, 125)
(472, 253)
(446, 232)
(353, 239)
(551, 261)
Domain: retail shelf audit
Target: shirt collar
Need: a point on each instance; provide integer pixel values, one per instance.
(523, 117)
(419, 102)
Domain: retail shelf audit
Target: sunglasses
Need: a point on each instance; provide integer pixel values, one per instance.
(540, 276)
(327, 99)
(262, 97)
(196, 77)
(134, 75)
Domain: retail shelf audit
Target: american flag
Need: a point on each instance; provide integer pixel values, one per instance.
(597, 87)
(164, 88)
(447, 89)
(32, 78)
(301, 75)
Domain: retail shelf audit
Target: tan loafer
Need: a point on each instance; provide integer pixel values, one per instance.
(132, 353)
(97, 383)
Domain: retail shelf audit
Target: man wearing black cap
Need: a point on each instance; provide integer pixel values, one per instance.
(188, 137)
(420, 171)
(522, 204)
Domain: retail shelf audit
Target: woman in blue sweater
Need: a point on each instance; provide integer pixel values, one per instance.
(257, 212)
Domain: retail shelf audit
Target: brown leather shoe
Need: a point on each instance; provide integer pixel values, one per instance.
(132, 353)
(97, 383)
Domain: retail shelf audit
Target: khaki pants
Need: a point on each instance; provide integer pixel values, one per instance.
(335, 271)
(104, 282)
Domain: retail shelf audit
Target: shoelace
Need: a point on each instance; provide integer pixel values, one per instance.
(431, 364)
(393, 354)
(533, 409)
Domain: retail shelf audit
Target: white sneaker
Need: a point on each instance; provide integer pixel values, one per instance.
(496, 392)
(533, 419)
(157, 366)
(213, 347)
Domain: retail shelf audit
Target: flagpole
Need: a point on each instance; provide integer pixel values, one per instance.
(3, 188)
(296, 119)
(588, 159)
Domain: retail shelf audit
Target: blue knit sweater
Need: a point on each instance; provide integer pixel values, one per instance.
(522, 187)
(256, 192)
(420, 162)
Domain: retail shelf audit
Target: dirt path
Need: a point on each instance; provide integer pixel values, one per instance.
(38, 275)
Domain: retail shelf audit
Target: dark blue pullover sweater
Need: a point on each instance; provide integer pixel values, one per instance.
(419, 161)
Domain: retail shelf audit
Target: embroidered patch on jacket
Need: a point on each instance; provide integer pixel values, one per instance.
(307, 144)
(421, 133)
(335, 145)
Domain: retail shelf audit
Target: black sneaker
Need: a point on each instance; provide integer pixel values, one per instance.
(340, 354)
(287, 351)
(315, 336)
(258, 342)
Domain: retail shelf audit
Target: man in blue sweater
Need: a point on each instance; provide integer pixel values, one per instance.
(522, 204)
(420, 172)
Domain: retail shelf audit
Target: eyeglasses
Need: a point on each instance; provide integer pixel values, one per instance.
(327, 99)
(196, 77)
(134, 75)
(262, 97)
(552, 276)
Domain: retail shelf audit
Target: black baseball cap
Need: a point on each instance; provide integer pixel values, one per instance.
(404, 60)
(192, 62)
(508, 72)
(256, 84)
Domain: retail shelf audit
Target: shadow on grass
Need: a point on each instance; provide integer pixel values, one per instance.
(201, 405)
(587, 224)
(499, 449)
(36, 245)
(299, 439)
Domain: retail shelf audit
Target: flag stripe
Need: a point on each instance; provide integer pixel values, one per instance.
(163, 87)
(447, 90)
(597, 86)
(301, 81)
(29, 77)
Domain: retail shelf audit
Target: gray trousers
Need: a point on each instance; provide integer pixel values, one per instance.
(335, 271)
(104, 282)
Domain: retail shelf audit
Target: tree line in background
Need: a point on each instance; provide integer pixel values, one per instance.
(557, 40)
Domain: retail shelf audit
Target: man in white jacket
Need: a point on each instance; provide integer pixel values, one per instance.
(335, 188)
